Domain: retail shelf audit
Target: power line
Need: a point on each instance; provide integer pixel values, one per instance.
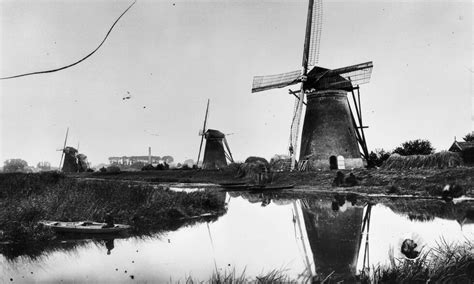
(77, 62)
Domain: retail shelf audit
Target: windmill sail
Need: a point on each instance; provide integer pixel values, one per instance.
(262, 83)
(62, 150)
(203, 132)
(314, 34)
(358, 74)
(342, 78)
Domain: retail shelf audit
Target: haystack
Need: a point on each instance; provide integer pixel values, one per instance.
(280, 163)
(439, 160)
(256, 169)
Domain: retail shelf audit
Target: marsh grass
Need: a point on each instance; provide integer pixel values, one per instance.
(231, 277)
(26, 199)
(446, 263)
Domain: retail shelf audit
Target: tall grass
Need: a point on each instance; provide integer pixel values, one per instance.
(439, 160)
(26, 199)
(447, 263)
(231, 277)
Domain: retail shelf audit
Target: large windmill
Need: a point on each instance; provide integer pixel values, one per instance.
(214, 153)
(331, 130)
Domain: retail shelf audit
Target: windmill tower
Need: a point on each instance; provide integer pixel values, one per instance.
(331, 130)
(214, 153)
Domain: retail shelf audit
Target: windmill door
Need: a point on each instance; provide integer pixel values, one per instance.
(340, 163)
(333, 163)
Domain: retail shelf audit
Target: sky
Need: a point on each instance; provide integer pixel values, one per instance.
(171, 56)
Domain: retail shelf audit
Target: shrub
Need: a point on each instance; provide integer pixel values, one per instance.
(148, 167)
(14, 165)
(415, 147)
(378, 157)
(113, 169)
(469, 137)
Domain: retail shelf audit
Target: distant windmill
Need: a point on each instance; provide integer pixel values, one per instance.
(62, 149)
(70, 157)
(330, 129)
(214, 153)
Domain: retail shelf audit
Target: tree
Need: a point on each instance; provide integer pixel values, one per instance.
(167, 159)
(469, 137)
(415, 147)
(378, 157)
(15, 165)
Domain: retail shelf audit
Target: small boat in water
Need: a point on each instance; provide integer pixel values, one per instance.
(257, 187)
(84, 227)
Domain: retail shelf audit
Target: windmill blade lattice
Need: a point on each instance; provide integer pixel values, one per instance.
(62, 150)
(344, 78)
(203, 131)
(315, 38)
(262, 83)
(358, 74)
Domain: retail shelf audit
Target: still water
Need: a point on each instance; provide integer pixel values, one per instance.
(257, 235)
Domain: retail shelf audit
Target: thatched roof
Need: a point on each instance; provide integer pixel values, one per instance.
(459, 146)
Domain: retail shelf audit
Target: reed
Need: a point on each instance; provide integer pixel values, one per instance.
(29, 199)
(446, 263)
(231, 277)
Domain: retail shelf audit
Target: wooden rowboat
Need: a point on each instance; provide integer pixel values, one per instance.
(256, 187)
(84, 227)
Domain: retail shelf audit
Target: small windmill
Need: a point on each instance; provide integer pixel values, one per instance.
(330, 128)
(62, 149)
(214, 153)
(68, 154)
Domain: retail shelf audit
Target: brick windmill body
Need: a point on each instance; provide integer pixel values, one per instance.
(332, 132)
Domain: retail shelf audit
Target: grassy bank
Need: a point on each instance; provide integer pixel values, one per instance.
(447, 263)
(26, 199)
(420, 182)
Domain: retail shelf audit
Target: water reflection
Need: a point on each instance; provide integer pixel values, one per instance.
(310, 237)
(334, 232)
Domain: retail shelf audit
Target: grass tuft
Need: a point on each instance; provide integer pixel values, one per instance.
(446, 263)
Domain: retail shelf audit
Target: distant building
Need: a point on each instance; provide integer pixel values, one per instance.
(459, 146)
(130, 160)
(44, 166)
(465, 149)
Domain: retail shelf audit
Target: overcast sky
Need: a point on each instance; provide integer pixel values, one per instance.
(173, 55)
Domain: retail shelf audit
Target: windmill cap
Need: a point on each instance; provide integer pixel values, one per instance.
(212, 133)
